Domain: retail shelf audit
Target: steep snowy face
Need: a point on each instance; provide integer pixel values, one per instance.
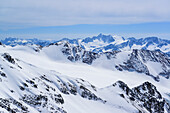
(152, 99)
(145, 97)
(153, 63)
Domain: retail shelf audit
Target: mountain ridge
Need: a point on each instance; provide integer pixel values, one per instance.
(67, 77)
(104, 43)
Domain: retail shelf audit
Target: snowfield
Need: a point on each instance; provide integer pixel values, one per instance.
(37, 79)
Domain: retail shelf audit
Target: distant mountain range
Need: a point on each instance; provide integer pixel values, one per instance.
(101, 43)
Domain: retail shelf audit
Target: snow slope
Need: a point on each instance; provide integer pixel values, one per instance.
(34, 79)
(23, 78)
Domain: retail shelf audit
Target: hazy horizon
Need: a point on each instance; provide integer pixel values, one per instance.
(141, 30)
(56, 19)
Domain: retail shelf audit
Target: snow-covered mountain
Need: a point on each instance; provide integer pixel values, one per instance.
(17, 41)
(81, 75)
(101, 43)
(151, 62)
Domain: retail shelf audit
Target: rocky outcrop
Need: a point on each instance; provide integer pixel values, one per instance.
(8, 58)
(135, 64)
(73, 53)
(145, 97)
(13, 106)
(77, 53)
(139, 58)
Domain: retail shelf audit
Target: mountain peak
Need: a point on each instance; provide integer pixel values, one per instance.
(101, 43)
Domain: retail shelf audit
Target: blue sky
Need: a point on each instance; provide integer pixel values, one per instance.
(56, 19)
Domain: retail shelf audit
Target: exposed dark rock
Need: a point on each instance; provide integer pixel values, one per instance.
(72, 52)
(35, 100)
(59, 98)
(119, 68)
(30, 81)
(88, 57)
(111, 54)
(63, 88)
(134, 64)
(35, 85)
(8, 58)
(21, 88)
(124, 87)
(138, 58)
(150, 97)
(72, 88)
(145, 95)
(3, 74)
(25, 84)
(38, 101)
(12, 91)
(16, 106)
(85, 93)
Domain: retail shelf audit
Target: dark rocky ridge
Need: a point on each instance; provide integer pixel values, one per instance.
(145, 96)
(138, 58)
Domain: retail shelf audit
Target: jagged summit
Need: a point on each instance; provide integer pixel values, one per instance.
(100, 37)
(145, 97)
(101, 43)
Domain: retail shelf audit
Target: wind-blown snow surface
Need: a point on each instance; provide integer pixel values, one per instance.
(39, 73)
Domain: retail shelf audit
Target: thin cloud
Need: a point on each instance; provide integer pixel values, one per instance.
(28, 13)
